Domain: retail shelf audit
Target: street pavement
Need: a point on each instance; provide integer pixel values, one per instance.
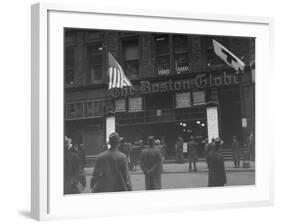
(178, 176)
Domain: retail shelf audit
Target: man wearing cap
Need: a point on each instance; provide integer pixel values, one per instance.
(151, 165)
(111, 171)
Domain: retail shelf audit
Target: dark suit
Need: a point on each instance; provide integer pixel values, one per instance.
(192, 154)
(151, 165)
(236, 153)
(72, 172)
(111, 173)
(217, 175)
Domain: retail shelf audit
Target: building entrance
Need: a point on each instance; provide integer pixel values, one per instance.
(168, 133)
(230, 114)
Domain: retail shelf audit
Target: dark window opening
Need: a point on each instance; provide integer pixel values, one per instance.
(181, 57)
(95, 61)
(159, 101)
(162, 54)
(131, 58)
(69, 66)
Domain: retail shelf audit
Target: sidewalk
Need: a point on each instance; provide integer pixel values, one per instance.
(183, 168)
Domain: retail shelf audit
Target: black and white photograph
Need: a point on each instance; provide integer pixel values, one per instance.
(157, 111)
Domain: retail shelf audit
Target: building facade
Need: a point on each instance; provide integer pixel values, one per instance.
(178, 82)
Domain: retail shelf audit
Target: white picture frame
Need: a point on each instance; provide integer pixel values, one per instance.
(48, 201)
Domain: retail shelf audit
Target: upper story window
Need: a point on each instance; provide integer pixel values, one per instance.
(162, 53)
(69, 66)
(131, 57)
(212, 59)
(95, 63)
(181, 57)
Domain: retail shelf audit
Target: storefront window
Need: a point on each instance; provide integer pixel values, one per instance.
(120, 105)
(135, 104)
(131, 57)
(199, 98)
(95, 63)
(183, 100)
(162, 54)
(180, 44)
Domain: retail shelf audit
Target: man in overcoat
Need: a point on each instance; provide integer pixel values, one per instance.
(235, 152)
(192, 153)
(151, 165)
(74, 179)
(179, 150)
(111, 173)
(216, 169)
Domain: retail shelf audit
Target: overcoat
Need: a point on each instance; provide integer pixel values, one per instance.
(151, 165)
(216, 169)
(111, 173)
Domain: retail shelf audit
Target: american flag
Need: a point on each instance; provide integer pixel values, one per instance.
(116, 75)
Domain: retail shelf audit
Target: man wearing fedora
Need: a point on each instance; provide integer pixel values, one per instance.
(111, 171)
(151, 165)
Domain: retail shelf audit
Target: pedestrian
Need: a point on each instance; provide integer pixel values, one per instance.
(82, 155)
(111, 173)
(134, 156)
(251, 146)
(192, 153)
(179, 150)
(74, 178)
(206, 147)
(164, 148)
(216, 169)
(235, 152)
(151, 165)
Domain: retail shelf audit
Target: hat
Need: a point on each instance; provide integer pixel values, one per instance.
(114, 138)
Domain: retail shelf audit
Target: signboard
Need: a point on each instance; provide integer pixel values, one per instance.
(212, 123)
(158, 113)
(200, 81)
(110, 126)
(183, 100)
(199, 98)
(244, 122)
(135, 104)
(120, 105)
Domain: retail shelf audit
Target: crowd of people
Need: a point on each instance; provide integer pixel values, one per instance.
(111, 172)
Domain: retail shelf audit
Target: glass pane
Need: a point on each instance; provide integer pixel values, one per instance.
(181, 63)
(96, 74)
(88, 107)
(120, 105)
(135, 104)
(71, 108)
(95, 60)
(69, 65)
(180, 43)
(94, 50)
(162, 44)
(132, 69)
(98, 108)
(131, 50)
(198, 97)
(183, 100)
(163, 65)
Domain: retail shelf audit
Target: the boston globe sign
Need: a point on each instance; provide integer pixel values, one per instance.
(199, 81)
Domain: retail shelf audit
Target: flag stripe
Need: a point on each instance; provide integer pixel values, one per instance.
(110, 77)
(117, 77)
